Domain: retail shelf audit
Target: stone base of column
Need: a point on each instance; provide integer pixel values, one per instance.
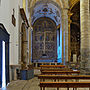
(85, 61)
(85, 71)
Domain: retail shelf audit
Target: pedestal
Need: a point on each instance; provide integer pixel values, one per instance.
(27, 74)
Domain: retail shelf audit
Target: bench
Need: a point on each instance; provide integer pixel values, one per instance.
(52, 66)
(65, 77)
(60, 72)
(67, 85)
(55, 69)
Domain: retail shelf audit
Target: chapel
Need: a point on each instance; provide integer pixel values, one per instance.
(44, 44)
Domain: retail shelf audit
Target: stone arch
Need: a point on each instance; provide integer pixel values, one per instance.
(46, 18)
(60, 6)
(51, 5)
(73, 3)
(33, 2)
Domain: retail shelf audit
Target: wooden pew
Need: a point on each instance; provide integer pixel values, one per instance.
(60, 72)
(56, 69)
(67, 85)
(52, 66)
(65, 77)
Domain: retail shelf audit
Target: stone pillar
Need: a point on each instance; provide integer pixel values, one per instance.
(24, 46)
(85, 36)
(62, 42)
(69, 23)
(30, 45)
(65, 35)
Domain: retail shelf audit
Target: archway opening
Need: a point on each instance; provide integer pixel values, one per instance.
(47, 32)
(4, 56)
(75, 33)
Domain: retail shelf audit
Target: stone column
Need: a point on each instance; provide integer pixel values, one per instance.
(85, 36)
(62, 42)
(65, 35)
(30, 45)
(24, 46)
(69, 23)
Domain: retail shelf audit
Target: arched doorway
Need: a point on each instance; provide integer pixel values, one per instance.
(44, 40)
(75, 41)
(75, 32)
(4, 56)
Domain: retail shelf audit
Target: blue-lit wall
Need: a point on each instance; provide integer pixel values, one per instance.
(59, 46)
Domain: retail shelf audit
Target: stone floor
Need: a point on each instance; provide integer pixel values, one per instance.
(31, 84)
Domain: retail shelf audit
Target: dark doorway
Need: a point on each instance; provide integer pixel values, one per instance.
(75, 32)
(4, 37)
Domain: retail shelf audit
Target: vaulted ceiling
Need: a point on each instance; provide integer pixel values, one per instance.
(60, 2)
(46, 8)
(50, 8)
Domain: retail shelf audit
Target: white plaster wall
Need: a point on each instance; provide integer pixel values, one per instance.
(6, 11)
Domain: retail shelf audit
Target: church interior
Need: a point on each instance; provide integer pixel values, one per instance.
(44, 44)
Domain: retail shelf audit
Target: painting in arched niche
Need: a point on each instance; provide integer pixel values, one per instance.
(44, 40)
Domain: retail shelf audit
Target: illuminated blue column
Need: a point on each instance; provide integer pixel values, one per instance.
(59, 45)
